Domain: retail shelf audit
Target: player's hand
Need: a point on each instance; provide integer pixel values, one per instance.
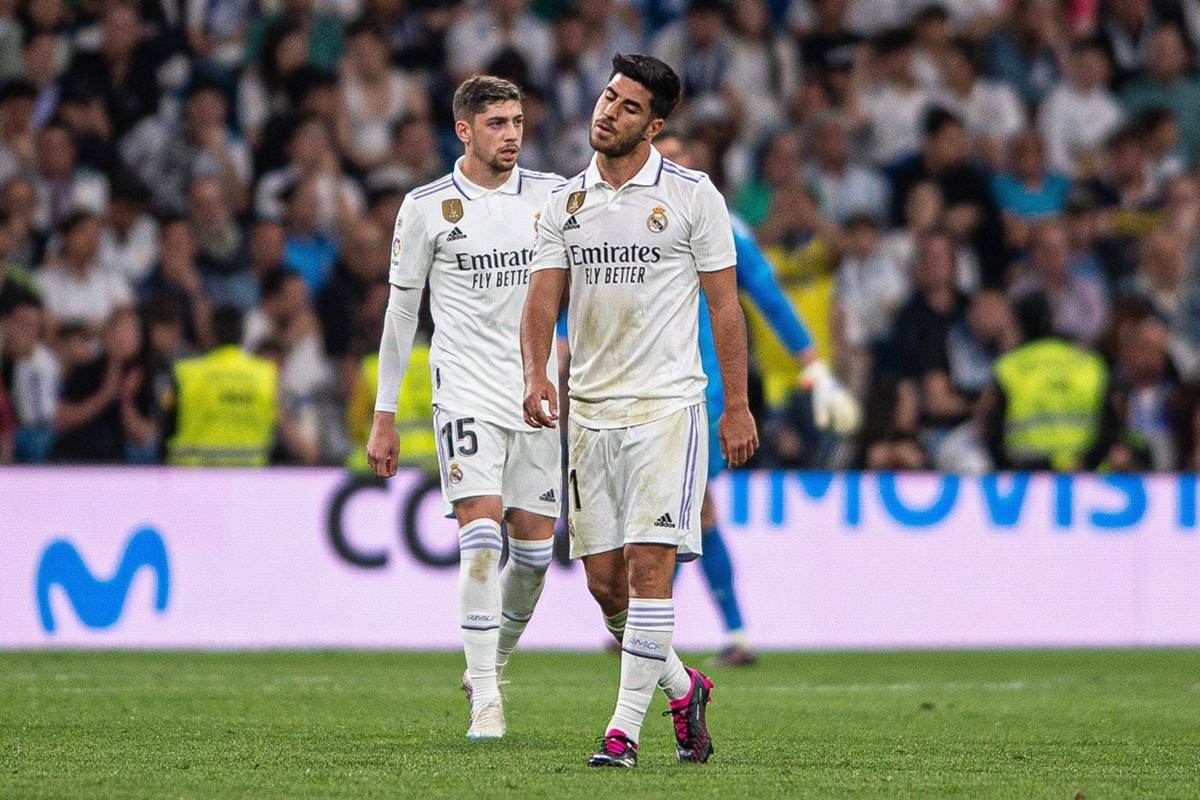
(738, 435)
(541, 402)
(833, 405)
(383, 445)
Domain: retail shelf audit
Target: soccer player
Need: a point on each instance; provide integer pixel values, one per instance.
(833, 406)
(471, 235)
(638, 236)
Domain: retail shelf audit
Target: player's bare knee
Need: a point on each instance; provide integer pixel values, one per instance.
(472, 508)
(651, 570)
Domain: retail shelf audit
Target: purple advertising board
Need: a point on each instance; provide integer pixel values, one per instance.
(166, 558)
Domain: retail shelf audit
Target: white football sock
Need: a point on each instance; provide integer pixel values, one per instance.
(675, 682)
(643, 657)
(521, 583)
(480, 544)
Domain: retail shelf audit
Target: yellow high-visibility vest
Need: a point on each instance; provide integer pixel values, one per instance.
(225, 410)
(1054, 394)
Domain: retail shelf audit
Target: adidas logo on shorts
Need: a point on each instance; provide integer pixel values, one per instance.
(664, 521)
(571, 224)
(455, 235)
(547, 496)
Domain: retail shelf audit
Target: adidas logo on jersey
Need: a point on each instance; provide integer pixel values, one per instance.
(571, 224)
(455, 235)
(547, 496)
(664, 521)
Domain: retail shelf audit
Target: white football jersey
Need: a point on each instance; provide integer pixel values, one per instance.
(634, 256)
(474, 246)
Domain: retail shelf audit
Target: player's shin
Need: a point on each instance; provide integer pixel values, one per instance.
(479, 603)
(644, 652)
(674, 681)
(521, 583)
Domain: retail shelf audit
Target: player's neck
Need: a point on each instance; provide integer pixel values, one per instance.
(483, 176)
(619, 170)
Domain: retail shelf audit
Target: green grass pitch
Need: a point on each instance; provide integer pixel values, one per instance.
(1025, 725)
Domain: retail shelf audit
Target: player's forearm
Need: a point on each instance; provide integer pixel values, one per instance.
(729, 335)
(538, 318)
(395, 347)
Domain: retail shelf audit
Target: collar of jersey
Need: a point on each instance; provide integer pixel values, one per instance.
(648, 175)
(473, 191)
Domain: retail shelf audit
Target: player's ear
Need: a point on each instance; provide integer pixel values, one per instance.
(654, 128)
(463, 129)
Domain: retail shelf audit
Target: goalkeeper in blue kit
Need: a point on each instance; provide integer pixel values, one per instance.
(834, 407)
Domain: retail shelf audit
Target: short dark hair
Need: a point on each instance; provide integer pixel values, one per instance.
(18, 297)
(659, 79)
(937, 119)
(227, 325)
(75, 219)
(1034, 316)
(480, 91)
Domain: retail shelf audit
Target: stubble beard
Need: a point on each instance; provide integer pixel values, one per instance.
(617, 148)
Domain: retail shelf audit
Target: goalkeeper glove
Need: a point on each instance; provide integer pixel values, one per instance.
(833, 405)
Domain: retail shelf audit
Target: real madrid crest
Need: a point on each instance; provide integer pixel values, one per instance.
(657, 221)
(456, 475)
(452, 210)
(575, 201)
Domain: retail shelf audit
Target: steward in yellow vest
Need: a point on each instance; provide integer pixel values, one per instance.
(414, 413)
(226, 406)
(1052, 396)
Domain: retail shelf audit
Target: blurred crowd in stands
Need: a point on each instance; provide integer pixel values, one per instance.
(914, 171)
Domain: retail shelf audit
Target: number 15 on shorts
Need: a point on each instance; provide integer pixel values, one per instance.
(459, 438)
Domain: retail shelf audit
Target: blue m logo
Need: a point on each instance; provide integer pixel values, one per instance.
(99, 603)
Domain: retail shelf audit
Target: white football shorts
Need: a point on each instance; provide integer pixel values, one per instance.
(480, 459)
(639, 485)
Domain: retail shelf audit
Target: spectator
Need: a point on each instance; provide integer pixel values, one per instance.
(1028, 54)
(932, 39)
(1127, 29)
(1147, 411)
(222, 246)
(308, 252)
(15, 280)
(923, 212)
(261, 90)
(39, 59)
(571, 92)
(1044, 410)
(129, 241)
(1168, 85)
(320, 34)
(285, 328)
(29, 374)
(123, 72)
(990, 109)
(372, 96)
(869, 291)
(1080, 113)
(1079, 306)
(177, 279)
(75, 287)
(363, 268)
(19, 204)
(1164, 149)
(894, 104)
(98, 419)
(311, 155)
(227, 403)
(168, 158)
(701, 47)
(927, 404)
(414, 160)
(846, 189)
(1028, 191)
(1159, 278)
(763, 68)
(265, 253)
(62, 186)
(498, 25)
(829, 46)
(216, 33)
(1124, 186)
(780, 164)
(86, 117)
(16, 127)
(971, 215)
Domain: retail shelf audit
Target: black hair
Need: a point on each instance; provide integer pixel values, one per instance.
(937, 119)
(1034, 316)
(15, 297)
(892, 41)
(653, 73)
(75, 219)
(227, 325)
(274, 281)
(363, 25)
(480, 91)
(17, 89)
